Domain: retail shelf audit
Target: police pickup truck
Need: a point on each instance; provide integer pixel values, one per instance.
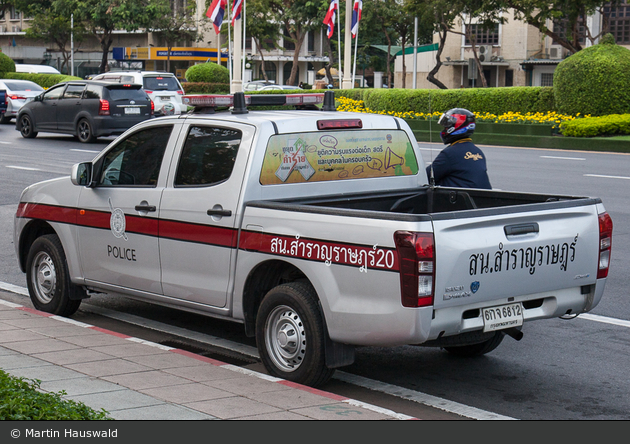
(315, 229)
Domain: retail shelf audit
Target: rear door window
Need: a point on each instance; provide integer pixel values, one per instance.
(337, 155)
(74, 92)
(161, 83)
(208, 156)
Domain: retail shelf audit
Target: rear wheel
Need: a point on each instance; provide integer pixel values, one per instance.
(48, 279)
(469, 351)
(26, 127)
(84, 131)
(290, 335)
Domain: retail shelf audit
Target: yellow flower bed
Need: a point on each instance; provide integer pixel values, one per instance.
(550, 117)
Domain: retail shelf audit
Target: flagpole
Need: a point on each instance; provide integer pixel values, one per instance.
(354, 67)
(244, 38)
(237, 81)
(339, 40)
(229, 48)
(347, 56)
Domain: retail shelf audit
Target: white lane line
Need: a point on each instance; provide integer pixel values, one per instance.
(605, 320)
(563, 158)
(422, 398)
(15, 167)
(607, 177)
(6, 143)
(84, 151)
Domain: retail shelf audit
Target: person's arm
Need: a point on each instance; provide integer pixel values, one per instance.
(441, 167)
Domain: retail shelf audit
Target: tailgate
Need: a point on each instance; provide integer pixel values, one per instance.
(483, 259)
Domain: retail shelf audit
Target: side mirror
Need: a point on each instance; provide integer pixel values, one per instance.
(82, 174)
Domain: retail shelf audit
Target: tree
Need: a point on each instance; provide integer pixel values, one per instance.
(297, 18)
(174, 21)
(386, 14)
(51, 21)
(102, 17)
(542, 13)
(404, 28)
(262, 29)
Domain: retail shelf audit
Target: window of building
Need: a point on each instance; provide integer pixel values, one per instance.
(546, 79)
(563, 29)
(15, 15)
(618, 18)
(483, 36)
(509, 77)
(289, 45)
(311, 41)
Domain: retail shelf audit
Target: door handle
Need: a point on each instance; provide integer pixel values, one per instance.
(142, 207)
(517, 229)
(220, 212)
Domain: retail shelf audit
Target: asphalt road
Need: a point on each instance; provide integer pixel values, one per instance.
(561, 369)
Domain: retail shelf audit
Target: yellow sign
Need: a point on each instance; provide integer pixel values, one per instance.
(323, 156)
(176, 53)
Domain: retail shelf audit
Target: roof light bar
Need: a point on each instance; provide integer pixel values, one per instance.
(201, 101)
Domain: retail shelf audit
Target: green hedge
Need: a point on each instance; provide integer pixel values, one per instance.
(206, 88)
(611, 125)
(523, 99)
(43, 80)
(6, 63)
(208, 72)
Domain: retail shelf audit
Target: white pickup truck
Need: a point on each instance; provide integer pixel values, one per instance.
(316, 229)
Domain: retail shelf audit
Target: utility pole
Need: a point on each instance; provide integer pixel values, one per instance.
(347, 52)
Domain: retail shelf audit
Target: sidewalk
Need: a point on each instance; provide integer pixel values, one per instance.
(135, 379)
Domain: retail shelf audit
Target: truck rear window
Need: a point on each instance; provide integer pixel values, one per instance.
(336, 155)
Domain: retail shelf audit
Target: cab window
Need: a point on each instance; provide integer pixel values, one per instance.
(208, 156)
(136, 160)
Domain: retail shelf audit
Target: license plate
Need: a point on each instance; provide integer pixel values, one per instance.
(503, 316)
(132, 110)
(165, 97)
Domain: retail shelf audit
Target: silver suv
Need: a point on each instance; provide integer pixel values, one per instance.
(162, 87)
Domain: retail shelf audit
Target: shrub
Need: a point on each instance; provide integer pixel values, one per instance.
(43, 80)
(611, 125)
(206, 88)
(22, 399)
(594, 80)
(208, 72)
(6, 63)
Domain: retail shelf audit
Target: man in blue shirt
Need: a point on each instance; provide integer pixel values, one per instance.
(461, 163)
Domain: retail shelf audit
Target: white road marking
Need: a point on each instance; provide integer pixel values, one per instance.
(6, 143)
(15, 167)
(412, 395)
(607, 177)
(84, 151)
(563, 158)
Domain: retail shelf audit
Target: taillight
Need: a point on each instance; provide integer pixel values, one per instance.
(14, 97)
(152, 106)
(103, 108)
(605, 244)
(180, 92)
(148, 92)
(416, 259)
(339, 123)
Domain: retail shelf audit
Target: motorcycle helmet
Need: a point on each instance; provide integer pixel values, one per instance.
(458, 123)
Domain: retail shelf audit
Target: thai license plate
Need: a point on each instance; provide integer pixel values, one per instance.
(132, 110)
(165, 97)
(503, 316)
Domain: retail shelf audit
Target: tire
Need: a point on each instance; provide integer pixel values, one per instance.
(470, 351)
(84, 131)
(26, 127)
(48, 279)
(290, 335)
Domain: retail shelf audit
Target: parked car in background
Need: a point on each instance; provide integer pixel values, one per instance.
(279, 88)
(162, 87)
(36, 69)
(257, 84)
(18, 93)
(86, 109)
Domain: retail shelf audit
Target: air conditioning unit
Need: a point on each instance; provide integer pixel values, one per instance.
(555, 52)
(484, 52)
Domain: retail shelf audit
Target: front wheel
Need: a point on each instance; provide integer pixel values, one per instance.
(26, 127)
(290, 335)
(48, 279)
(469, 351)
(84, 131)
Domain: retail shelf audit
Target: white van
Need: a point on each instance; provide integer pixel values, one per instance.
(36, 69)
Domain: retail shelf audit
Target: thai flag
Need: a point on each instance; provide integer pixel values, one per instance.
(330, 17)
(215, 12)
(236, 10)
(356, 17)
